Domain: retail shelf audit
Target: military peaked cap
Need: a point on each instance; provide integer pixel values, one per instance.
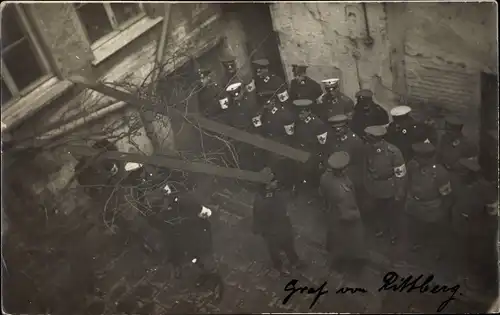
(454, 121)
(338, 120)
(338, 160)
(377, 131)
(302, 103)
(400, 111)
(470, 164)
(261, 62)
(364, 93)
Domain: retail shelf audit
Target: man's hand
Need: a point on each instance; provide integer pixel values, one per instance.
(205, 213)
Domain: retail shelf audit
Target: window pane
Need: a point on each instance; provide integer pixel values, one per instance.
(11, 28)
(94, 19)
(22, 64)
(6, 95)
(125, 11)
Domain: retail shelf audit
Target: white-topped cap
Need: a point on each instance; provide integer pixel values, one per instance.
(400, 110)
(131, 166)
(233, 87)
(330, 82)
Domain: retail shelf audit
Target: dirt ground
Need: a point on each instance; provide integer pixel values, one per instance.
(75, 265)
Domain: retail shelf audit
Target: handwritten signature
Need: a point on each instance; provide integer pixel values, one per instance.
(410, 284)
(391, 282)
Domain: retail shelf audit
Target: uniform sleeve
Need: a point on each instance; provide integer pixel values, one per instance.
(384, 117)
(443, 181)
(490, 195)
(293, 90)
(469, 149)
(257, 214)
(431, 133)
(398, 162)
(316, 90)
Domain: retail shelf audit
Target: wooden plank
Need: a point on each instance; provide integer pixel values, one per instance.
(256, 140)
(236, 134)
(166, 162)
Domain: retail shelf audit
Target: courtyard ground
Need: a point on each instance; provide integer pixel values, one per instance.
(92, 271)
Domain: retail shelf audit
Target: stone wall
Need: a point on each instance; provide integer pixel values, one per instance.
(328, 36)
(432, 51)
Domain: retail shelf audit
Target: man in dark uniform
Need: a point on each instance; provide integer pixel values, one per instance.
(311, 136)
(230, 70)
(404, 131)
(271, 221)
(247, 116)
(384, 179)
(279, 125)
(98, 176)
(333, 102)
(302, 86)
(209, 94)
(367, 113)
(135, 180)
(250, 90)
(475, 222)
(428, 202)
(453, 146)
(267, 81)
(343, 139)
(186, 226)
(345, 232)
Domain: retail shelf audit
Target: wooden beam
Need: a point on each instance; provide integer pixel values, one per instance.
(255, 140)
(170, 163)
(236, 134)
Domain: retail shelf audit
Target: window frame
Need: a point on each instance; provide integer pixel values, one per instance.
(38, 52)
(117, 28)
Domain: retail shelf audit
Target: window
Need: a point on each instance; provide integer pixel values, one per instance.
(103, 20)
(22, 64)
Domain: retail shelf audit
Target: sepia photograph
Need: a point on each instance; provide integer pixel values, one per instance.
(245, 157)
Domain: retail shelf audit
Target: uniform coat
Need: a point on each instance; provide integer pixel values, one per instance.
(384, 173)
(208, 100)
(452, 148)
(354, 146)
(307, 130)
(188, 236)
(95, 176)
(306, 89)
(427, 208)
(271, 83)
(345, 233)
(271, 221)
(370, 115)
(404, 133)
(279, 125)
(329, 105)
(384, 170)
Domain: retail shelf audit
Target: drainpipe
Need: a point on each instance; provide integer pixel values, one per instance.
(368, 38)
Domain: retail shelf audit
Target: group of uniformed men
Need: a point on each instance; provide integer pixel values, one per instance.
(397, 180)
(401, 179)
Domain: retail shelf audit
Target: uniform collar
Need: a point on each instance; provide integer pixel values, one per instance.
(378, 146)
(342, 137)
